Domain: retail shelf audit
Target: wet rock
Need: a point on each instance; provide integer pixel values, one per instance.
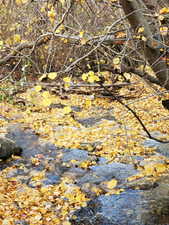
(51, 179)
(23, 138)
(74, 154)
(140, 184)
(148, 206)
(162, 148)
(61, 106)
(21, 222)
(102, 160)
(91, 121)
(110, 210)
(119, 171)
(8, 148)
(30, 142)
(75, 172)
(12, 173)
(129, 208)
(105, 172)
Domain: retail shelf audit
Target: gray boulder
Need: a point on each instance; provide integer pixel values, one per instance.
(8, 148)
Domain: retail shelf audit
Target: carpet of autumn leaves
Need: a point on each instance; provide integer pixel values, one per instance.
(118, 140)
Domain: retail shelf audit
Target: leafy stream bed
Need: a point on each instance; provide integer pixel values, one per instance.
(108, 196)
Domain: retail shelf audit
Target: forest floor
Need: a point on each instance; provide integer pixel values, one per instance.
(103, 128)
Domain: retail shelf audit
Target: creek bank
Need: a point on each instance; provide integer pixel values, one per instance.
(141, 203)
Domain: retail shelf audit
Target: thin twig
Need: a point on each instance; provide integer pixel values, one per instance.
(134, 113)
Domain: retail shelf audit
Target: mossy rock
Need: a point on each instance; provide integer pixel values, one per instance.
(8, 148)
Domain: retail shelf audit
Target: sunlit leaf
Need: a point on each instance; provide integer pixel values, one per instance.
(46, 94)
(160, 168)
(42, 77)
(67, 79)
(84, 76)
(81, 34)
(83, 41)
(164, 30)
(20, 2)
(38, 88)
(111, 184)
(164, 10)
(52, 75)
(88, 103)
(67, 110)
(140, 30)
(116, 61)
(17, 38)
(52, 13)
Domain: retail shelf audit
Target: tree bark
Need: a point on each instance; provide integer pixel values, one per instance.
(134, 9)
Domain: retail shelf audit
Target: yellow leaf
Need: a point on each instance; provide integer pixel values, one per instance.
(164, 10)
(91, 79)
(164, 30)
(46, 94)
(38, 176)
(83, 41)
(52, 75)
(19, 2)
(111, 184)
(84, 76)
(52, 13)
(66, 223)
(91, 73)
(60, 29)
(81, 34)
(96, 190)
(127, 76)
(38, 88)
(42, 77)
(67, 109)
(88, 66)
(17, 38)
(46, 102)
(88, 103)
(161, 18)
(1, 44)
(7, 221)
(160, 168)
(149, 170)
(120, 34)
(43, 9)
(96, 78)
(140, 30)
(115, 191)
(135, 177)
(9, 41)
(144, 38)
(44, 190)
(116, 61)
(67, 79)
(67, 85)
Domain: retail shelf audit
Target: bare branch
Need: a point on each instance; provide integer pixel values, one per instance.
(134, 114)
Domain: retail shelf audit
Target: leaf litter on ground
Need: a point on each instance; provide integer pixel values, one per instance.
(118, 140)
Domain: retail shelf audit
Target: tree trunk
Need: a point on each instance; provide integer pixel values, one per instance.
(134, 10)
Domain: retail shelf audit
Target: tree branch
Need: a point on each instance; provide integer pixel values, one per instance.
(134, 114)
